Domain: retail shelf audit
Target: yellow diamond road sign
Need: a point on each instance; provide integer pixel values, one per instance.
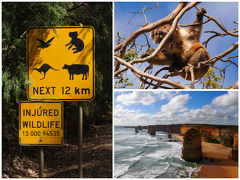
(60, 63)
(40, 123)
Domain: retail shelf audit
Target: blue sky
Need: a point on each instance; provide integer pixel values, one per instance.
(225, 12)
(175, 107)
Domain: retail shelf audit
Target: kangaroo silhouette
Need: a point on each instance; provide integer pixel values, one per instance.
(78, 43)
(45, 44)
(77, 69)
(44, 68)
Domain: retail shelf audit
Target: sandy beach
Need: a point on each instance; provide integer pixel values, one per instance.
(217, 162)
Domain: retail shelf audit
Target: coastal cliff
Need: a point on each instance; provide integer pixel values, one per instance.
(226, 135)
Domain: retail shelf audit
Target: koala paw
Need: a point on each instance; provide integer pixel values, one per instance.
(201, 13)
(145, 54)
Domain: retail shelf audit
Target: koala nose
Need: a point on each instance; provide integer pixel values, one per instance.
(159, 32)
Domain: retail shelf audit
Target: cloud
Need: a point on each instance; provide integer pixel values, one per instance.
(176, 104)
(136, 97)
(162, 95)
(222, 110)
(126, 117)
(144, 98)
(230, 99)
(210, 114)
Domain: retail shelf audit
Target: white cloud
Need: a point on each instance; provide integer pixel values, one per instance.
(136, 97)
(176, 104)
(230, 99)
(210, 114)
(222, 110)
(126, 117)
(162, 95)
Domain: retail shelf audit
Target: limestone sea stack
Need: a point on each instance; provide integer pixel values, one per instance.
(151, 130)
(192, 147)
(136, 130)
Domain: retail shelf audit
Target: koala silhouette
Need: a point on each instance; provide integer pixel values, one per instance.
(78, 43)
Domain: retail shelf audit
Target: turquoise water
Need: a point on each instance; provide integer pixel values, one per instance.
(144, 156)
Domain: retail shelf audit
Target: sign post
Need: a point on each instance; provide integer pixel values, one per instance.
(41, 163)
(80, 142)
(60, 66)
(41, 124)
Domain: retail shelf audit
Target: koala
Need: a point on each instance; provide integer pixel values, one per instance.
(183, 50)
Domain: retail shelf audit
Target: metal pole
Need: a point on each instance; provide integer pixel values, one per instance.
(80, 171)
(41, 163)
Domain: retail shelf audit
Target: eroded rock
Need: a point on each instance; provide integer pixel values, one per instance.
(192, 146)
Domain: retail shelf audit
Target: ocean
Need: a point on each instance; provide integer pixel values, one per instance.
(140, 155)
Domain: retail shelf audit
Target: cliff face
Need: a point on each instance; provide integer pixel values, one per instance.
(192, 147)
(235, 147)
(220, 134)
(174, 128)
(226, 135)
(214, 133)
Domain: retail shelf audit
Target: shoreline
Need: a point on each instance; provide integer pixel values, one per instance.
(216, 162)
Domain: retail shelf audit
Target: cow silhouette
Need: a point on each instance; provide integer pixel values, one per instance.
(44, 68)
(77, 69)
(78, 43)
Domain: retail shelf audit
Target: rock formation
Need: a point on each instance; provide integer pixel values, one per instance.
(151, 130)
(235, 147)
(139, 127)
(169, 136)
(136, 130)
(192, 147)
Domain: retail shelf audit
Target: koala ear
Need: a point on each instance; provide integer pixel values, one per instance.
(151, 34)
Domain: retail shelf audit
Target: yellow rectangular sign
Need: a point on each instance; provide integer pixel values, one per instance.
(41, 123)
(61, 63)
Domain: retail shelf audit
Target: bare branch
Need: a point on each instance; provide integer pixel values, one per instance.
(219, 24)
(153, 26)
(229, 60)
(169, 18)
(216, 34)
(159, 80)
(220, 56)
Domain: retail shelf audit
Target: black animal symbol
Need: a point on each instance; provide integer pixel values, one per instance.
(78, 43)
(45, 44)
(44, 68)
(77, 69)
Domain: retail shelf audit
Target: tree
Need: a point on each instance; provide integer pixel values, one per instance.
(149, 79)
(17, 18)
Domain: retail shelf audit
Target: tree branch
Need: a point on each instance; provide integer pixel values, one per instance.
(216, 34)
(220, 56)
(149, 27)
(159, 80)
(219, 24)
(165, 39)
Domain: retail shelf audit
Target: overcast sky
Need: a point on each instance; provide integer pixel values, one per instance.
(126, 23)
(132, 108)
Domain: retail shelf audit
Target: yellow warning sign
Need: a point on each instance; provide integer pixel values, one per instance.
(60, 63)
(41, 123)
